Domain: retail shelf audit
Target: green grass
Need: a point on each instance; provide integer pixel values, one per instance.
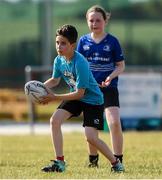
(15, 31)
(23, 156)
(140, 32)
(21, 21)
(12, 32)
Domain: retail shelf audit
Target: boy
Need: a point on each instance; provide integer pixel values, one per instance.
(84, 96)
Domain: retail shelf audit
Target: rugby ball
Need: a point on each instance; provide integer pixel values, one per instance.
(35, 90)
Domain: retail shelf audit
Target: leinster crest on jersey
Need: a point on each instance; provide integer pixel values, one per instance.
(106, 48)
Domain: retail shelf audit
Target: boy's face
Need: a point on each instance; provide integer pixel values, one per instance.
(63, 46)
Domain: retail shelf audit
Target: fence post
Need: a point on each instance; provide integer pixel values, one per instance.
(28, 76)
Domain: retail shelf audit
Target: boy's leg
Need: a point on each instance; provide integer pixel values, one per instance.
(93, 156)
(92, 137)
(56, 120)
(56, 134)
(65, 110)
(93, 117)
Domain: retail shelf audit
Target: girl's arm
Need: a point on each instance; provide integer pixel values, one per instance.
(120, 66)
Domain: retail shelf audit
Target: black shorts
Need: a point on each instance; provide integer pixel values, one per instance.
(111, 97)
(93, 114)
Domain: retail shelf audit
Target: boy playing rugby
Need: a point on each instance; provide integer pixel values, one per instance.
(84, 96)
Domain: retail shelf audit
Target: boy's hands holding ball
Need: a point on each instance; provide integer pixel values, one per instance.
(48, 98)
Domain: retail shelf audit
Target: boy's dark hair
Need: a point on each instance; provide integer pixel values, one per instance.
(69, 32)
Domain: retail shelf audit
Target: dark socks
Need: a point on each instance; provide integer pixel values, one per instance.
(120, 157)
(93, 158)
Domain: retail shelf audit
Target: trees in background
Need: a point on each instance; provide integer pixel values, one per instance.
(22, 46)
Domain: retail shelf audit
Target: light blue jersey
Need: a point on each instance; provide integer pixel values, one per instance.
(77, 75)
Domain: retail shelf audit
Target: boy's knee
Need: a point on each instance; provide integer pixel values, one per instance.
(54, 123)
(91, 140)
(51, 121)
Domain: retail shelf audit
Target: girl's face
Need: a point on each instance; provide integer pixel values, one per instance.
(63, 46)
(96, 22)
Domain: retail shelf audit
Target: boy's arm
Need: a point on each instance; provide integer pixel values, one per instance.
(52, 82)
(78, 94)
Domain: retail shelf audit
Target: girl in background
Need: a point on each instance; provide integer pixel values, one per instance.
(104, 54)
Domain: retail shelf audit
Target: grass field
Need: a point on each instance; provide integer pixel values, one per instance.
(21, 21)
(23, 156)
(15, 31)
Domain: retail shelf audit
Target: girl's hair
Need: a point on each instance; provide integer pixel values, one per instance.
(69, 32)
(97, 8)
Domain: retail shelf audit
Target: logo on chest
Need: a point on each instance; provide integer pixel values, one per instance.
(106, 48)
(70, 79)
(67, 74)
(86, 47)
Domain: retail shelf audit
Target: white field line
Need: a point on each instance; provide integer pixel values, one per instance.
(15, 129)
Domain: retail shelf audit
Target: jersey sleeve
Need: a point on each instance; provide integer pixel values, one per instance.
(56, 72)
(118, 54)
(80, 46)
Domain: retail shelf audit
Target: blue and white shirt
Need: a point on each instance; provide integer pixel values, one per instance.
(77, 75)
(101, 56)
